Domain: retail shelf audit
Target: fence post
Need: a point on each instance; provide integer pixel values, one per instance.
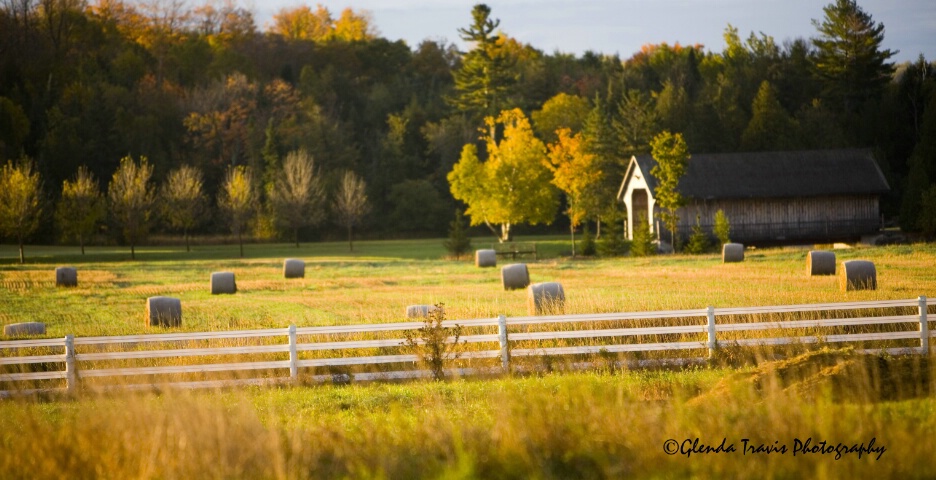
(71, 375)
(293, 353)
(712, 342)
(924, 326)
(502, 334)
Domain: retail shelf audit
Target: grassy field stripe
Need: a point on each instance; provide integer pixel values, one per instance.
(194, 352)
(808, 307)
(619, 332)
(32, 359)
(174, 337)
(15, 377)
(835, 322)
(849, 337)
(217, 367)
(643, 347)
(601, 317)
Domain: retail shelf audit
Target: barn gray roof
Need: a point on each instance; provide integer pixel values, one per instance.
(776, 174)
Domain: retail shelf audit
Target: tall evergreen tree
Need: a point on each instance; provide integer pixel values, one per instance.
(484, 80)
(771, 127)
(849, 58)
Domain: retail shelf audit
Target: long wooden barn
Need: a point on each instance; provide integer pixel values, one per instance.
(769, 197)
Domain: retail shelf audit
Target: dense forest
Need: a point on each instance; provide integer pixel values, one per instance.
(87, 84)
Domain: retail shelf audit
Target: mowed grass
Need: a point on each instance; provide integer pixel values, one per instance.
(375, 283)
(598, 424)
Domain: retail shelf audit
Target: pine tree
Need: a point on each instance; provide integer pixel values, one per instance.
(698, 240)
(458, 242)
(642, 244)
(612, 241)
(849, 58)
(484, 80)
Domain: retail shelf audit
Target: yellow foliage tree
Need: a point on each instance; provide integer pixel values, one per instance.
(20, 204)
(578, 174)
(513, 185)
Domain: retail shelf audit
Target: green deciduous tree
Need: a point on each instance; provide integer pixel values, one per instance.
(560, 111)
(722, 227)
(350, 204)
(298, 194)
(184, 202)
(672, 155)
(849, 58)
(20, 202)
(81, 207)
(513, 185)
(236, 201)
(132, 200)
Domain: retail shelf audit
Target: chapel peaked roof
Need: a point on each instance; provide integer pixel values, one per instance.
(807, 173)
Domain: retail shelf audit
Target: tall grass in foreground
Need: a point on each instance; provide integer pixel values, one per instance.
(590, 425)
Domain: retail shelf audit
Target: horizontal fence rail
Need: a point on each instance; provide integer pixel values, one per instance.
(274, 351)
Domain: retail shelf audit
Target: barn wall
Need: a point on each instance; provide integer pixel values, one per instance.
(812, 218)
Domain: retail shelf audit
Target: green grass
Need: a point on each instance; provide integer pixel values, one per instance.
(600, 424)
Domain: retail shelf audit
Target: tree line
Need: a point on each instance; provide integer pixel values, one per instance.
(133, 204)
(84, 85)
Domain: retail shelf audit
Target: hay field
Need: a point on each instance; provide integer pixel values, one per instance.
(603, 424)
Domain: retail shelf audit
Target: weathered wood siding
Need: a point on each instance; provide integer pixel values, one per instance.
(784, 219)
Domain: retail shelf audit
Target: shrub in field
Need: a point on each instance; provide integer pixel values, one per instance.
(430, 342)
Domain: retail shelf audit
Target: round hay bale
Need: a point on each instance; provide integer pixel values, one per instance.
(66, 277)
(420, 311)
(732, 252)
(164, 311)
(223, 282)
(858, 275)
(485, 258)
(25, 328)
(545, 298)
(820, 262)
(293, 268)
(515, 276)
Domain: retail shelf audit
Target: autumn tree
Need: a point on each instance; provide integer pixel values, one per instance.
(302, 23)
(513, 185)
(561, 111)
(236, 201)
(350, 204)
(578, 174)
(20, 202)
(132, 200)
(184, 204)
(671, 155)
(849, 58)
(81, 207)
(298, 194)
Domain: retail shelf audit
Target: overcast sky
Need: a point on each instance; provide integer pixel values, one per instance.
(622, 26)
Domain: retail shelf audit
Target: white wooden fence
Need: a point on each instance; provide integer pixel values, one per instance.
(909, 330)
